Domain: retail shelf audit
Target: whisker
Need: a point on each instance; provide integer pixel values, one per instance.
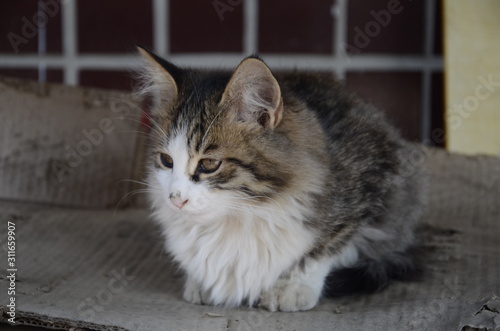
(210, 125)
(136, 182)
(142, 114)
(134, 192)
(145, 135)
(154, 127)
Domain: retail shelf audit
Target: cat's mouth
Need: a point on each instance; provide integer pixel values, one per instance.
(188, 210)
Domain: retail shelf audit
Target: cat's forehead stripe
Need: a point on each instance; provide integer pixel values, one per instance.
(210, 148)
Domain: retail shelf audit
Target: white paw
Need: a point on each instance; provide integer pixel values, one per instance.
(192, 293)
(290, 297)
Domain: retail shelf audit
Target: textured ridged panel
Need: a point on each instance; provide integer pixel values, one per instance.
(65, 145)
(102, 268)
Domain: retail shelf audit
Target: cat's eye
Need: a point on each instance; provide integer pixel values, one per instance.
(166, 160)
(209, 165)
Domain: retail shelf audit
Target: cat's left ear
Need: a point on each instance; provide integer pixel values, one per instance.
(254, 95)
(159, 80)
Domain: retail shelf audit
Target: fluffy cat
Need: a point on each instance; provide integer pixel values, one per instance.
(276, 189)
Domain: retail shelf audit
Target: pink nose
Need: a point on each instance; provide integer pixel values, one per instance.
(179, 202)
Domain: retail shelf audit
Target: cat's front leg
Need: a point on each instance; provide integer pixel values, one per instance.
(193, 292)
(290, 296)
(301, 288)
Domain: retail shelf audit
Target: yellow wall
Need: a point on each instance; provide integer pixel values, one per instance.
(472, 75)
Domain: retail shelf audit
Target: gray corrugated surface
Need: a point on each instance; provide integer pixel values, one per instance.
(66, 145)
(103, 268)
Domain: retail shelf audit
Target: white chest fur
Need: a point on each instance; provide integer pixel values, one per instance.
(238, 257)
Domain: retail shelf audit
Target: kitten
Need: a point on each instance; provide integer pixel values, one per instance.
(276, 189)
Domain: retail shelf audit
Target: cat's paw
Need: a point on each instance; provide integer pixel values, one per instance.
(193, 293)
(290, 297)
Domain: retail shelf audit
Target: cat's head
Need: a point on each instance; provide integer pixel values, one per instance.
(219, 140)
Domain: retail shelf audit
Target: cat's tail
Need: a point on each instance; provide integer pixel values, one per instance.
(368, 276)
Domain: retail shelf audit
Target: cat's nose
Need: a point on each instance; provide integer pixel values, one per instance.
(177, 200)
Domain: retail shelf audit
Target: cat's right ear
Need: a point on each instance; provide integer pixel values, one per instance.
(158, 81)
(254, 95)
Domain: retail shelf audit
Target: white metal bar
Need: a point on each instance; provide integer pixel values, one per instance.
(250, 27)
(42, 45)
(339, 12)
(160, 27)
(230, 60)
(426, 110)
(70, 42)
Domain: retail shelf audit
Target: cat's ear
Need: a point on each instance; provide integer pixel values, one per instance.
(253, 95)
(158, 81)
